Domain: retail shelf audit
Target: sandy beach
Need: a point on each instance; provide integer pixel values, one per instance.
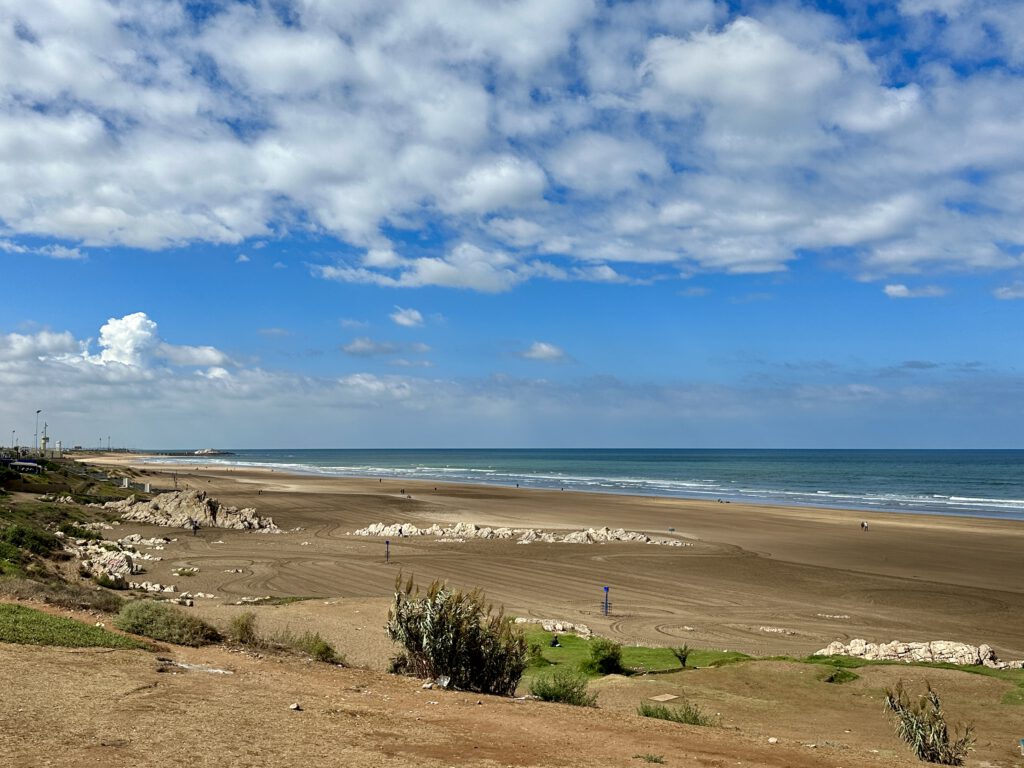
(759, 579)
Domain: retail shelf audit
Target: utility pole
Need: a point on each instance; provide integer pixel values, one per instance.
(36, 446)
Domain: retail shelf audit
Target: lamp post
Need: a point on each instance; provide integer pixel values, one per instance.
(36, 446)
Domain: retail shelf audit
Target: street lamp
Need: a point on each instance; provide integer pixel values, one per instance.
(36, 446)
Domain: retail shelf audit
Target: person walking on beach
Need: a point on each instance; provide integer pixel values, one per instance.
(195, 527)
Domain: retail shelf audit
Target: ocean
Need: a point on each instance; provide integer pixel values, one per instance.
(981, 483)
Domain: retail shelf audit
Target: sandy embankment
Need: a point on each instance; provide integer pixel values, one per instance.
(761, 579)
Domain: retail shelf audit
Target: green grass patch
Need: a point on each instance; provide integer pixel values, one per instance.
(27, 626)
(576, 652)
(687, 713)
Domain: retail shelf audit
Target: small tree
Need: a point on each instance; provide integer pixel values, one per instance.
(605, 657)
(453, 634)
(923, 726)
(681, 653)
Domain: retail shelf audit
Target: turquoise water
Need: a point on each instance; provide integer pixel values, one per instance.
(978, 483)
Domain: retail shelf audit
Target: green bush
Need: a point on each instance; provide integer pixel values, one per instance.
(312, 644)
(34, 540)
(11, 553)
(243, 630)
(565, 687)
(605, 657)
(165, 622)
(687, 713)
(77, 532)
(923, 726)
(452, 633)
(838, 676)
(62, 594)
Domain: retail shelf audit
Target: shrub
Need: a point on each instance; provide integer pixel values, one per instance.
(243, 629)
(77, 532)
(312, 644)
(34, 540)
(165, 622)
(111, 582)
(452, 633)
(308, 643)
(923, 726)
(605, 657)
(565, 687)
(687, 713)
(681, 653)
(62, 594)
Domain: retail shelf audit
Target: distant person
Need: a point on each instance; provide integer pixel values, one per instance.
(195, 527)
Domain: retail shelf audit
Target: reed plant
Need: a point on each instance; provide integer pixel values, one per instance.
(922, 725)
(448, 633)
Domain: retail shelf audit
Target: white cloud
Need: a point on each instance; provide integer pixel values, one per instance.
(542, 350)
(242, 259)
(364, 346)
(274, 333)
(410, 318)
(17, 346)
(900, 291)
(537, 137)
(1014, 290)
(134, 341)
(52, 251)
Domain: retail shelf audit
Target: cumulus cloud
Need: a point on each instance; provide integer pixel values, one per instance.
(134, 341)
(537, 138)
(544, 351)
(410, 318)
(900, 291)
(242, 259)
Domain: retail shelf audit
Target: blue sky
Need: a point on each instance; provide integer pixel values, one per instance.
(529, 224)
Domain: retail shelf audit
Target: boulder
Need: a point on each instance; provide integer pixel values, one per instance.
(179, 509)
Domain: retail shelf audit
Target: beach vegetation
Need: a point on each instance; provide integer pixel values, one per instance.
(160, 621)
(682, 653)
(650, 758)
(62, 594)
(243, 630)
(922, 725)
(563, 686)
(605, 657)
(687, 713)
(453, 634)
(27, 626)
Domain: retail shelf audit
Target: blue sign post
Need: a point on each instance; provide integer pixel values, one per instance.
(606, 601)
(387, 550)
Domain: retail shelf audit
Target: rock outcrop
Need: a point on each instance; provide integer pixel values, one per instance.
(463, 531)
(179, 509)
(556, 625)
(942, 651)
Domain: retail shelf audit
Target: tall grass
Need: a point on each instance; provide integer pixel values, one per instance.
(687, 713)
(922, 724)
(453, 634)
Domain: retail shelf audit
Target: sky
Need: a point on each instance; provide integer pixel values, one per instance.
(523, 223)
